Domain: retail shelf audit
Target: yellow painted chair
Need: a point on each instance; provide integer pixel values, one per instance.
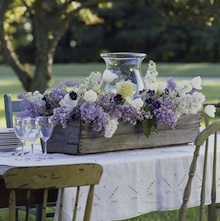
(53, 177)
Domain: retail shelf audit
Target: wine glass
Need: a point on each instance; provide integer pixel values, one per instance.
(46, 130)
(32, 130)
(21, 135)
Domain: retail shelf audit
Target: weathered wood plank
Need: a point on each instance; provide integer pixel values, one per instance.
(79, 139)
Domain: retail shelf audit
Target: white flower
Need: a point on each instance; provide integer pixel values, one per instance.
(210, 110)
(93, 80)
(150, 78)
(125, 89)
(36, 97)
(196, 83)
(68, 102)
(111, 127)
(109, 76)
(161, 87)
(136, 103)
(90, 96)
(184, 88)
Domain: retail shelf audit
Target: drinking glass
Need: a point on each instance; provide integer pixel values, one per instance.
(46, 130)
(21, 135)
(32, 130)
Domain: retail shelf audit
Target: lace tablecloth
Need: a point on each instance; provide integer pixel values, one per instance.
(133, 182)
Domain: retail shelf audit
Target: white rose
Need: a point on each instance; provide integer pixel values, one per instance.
(196, 83)
(161, 87)
(90, 96)
(109, 76)
(68, 102)
(136, 103)
(210, 110)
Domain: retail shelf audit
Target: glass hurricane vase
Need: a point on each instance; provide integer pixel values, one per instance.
(127, 66)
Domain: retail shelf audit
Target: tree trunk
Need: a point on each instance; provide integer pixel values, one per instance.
(12, 58)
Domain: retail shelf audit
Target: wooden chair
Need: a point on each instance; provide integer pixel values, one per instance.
(11, 107)
(50, 177)
(203, 139)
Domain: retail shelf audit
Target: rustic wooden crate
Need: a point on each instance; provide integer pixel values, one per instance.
(77, 138)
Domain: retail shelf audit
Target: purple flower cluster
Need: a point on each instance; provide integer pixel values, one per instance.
(115, 106)
(161, 103)
(165, 114)
(162, 106)
(31, 109)
(61, 116)
(93, 114)
(171, 84)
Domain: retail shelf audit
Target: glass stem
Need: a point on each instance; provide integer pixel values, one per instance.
(22, 151)
(32, 150)
(45, 149)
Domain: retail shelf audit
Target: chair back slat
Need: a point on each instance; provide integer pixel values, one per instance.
(55, 177)
(10, 108)
(209, 167)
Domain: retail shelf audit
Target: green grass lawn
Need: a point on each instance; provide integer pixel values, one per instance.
(9, 83)
(210, 74)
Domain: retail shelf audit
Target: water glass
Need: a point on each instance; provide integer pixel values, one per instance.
(21, 135)
(46, 130)
(32, 130)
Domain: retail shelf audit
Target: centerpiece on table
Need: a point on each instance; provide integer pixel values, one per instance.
(109, 111)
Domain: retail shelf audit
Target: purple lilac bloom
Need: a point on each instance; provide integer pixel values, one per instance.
(92, 113)
(57, 94)
(21, 95)
(166, 114)
(131, 114)
(116, 111)
(61, 116)
(68, 83)
(171, 84)
(106, 100)
(32, 109)
(24, 113)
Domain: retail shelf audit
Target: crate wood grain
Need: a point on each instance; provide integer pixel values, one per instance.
(78, 138)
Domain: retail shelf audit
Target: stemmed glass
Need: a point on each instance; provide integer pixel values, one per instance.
(32, 130)
(46, 130)
(21, 135)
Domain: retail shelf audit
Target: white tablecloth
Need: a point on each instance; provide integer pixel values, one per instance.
(133, 182)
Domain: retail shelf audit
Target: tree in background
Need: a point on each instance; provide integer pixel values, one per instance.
(193, 29)
(46, 22)
(167, 30)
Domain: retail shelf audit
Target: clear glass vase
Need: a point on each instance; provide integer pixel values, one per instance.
(127, 66)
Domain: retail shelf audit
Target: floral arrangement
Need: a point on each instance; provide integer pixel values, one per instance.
(103, 109)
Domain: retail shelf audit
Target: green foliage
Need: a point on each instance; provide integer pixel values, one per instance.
(147, 126)
(184, 31)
